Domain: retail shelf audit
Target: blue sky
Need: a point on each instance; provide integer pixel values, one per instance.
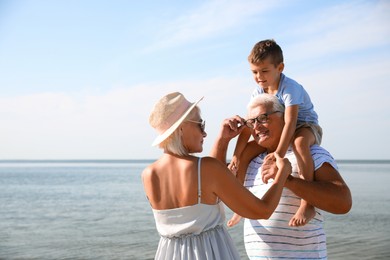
(78, 78)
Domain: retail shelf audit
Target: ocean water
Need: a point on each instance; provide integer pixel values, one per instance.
(98, 210)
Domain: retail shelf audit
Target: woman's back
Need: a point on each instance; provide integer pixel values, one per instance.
(172, 182)
(194, 226)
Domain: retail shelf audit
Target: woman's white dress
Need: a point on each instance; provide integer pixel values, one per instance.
(194, 232)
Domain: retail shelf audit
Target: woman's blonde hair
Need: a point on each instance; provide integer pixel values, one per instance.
(174, 143)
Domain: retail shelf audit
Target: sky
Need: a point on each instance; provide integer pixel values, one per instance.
(78, 79)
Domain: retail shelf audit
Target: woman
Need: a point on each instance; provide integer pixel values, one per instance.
(186, 192)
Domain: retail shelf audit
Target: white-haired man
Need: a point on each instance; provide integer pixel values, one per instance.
(274, 238)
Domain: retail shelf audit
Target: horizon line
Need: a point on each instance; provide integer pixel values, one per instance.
(369, 161)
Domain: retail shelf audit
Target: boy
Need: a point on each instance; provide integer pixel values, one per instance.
(301, 127)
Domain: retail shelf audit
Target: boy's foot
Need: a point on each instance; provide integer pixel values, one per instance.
(302, 216)
(234, 220)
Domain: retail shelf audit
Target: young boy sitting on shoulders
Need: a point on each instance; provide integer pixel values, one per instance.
(301, 129)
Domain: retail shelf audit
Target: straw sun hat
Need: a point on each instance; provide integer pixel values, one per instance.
(168, 113)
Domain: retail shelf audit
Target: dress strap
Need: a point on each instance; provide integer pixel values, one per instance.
(199, 181)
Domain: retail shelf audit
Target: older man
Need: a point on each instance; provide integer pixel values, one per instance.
(274, 238)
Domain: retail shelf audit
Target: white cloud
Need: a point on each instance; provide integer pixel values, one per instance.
(345, 28)
(350, 98)
(210, 19)
(114, 125)
(352, 102)
(111, 125)
(56, 125)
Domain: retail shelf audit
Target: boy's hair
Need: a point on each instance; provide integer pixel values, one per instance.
(264, 49)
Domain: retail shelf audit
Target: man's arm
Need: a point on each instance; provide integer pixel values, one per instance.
(328, 191)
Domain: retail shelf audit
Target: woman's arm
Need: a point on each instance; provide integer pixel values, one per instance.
(239, 199)
(230, 128)
(219, 180)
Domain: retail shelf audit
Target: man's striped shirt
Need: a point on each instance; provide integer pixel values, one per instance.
(273, 238)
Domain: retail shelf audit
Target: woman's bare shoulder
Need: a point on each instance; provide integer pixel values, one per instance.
(211, 161)
(149, 171)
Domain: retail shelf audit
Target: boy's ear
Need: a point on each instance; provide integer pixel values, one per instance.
(281, 67)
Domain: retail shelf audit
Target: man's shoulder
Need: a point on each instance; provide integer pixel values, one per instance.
(259, 159)
(256, 163)
(320, 156)
(317, 150)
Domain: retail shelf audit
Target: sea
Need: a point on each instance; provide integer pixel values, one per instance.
(96, 209)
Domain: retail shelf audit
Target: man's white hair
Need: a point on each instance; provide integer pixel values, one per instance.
(268, 100)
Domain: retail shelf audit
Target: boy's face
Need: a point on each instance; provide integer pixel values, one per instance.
(266, 74)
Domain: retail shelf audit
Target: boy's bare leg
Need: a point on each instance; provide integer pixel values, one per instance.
(304, 138)
(233, 165)
(251, 150)
(303, 215)
(242, 142)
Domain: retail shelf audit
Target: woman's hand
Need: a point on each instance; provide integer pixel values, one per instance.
(283, 165)
(231, 127)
